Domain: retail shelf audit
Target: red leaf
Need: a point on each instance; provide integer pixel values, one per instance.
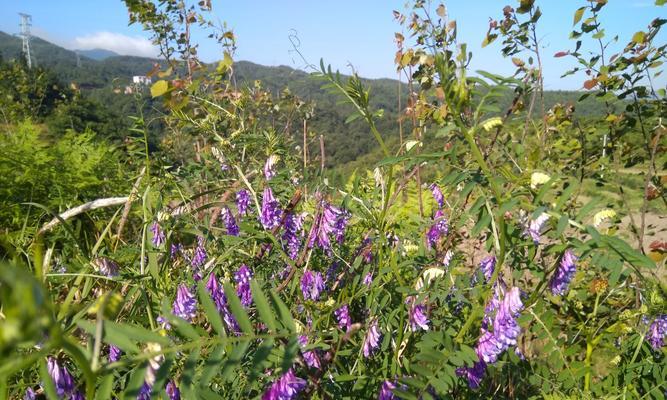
(590, 84)
(562, 54)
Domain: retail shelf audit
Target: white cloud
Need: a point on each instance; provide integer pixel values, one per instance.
(116, 42)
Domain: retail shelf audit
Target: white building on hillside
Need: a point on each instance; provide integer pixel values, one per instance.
(141, 80)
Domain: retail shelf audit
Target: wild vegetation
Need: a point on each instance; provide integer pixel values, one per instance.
(488, 244)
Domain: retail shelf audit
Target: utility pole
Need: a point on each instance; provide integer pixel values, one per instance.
(26, 23)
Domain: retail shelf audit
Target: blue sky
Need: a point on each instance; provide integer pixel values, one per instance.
(344, 32)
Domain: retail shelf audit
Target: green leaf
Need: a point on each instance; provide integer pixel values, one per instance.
(265, 312)
(234, 359)
(135, 383)
(626, 252)
(238, 310)
(104, 389)
(159, 88)
(578, 15)
(211, 366)
(283, 312)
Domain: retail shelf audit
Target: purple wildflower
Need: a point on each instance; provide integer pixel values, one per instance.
(163, 321)
(269, 167)
(77, 396)
(311, 285)
(505, 329)
(657, 332)
(271, 212)
(106, 266)
(473, 374)
(439, 229)
(200, 256)
(330, 221)
(220, 301)
(62, 379)
(534, 228)
(114, 353)
(343, 317)
(185, 305)
(416, 315)
(29, 394)
(563, 276)
(292, 225)
(487, 267)
(172, 391)
(387, 391)
(145, 391)
(287, 387)
(229, 221)
(158, 235)
(242, 201)
(242, 278)
(372, 339)
(437, 195)
(447, 259)
(310, 357)
(175, 249)
(368, 279)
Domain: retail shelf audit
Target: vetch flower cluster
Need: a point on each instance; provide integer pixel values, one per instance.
(312, 284)
(185, 305)
(158, 235)
(230, 222)
(439, 229)
(292, 229)
(330, 222)
(417, 315)
(437, 195)
(242, 278)
(657, 332)
(287, 387)
(242, 202)
(561, 280)
(372, 339)
(220, 300)
(271, 211)
(343, 317)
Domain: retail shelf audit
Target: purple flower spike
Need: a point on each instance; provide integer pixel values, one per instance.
(534, 228)
(657, 332)
(29, 394)
(287, 387)
(145, 391)
(372, 339)
(172, 391)
(474, 374)
(200, 256)
(564, 274)
(271, 212)
(417, 316)
(62, 379)
(330, 221)
(158, 235)
(292, 226)
(77, 396)
(439, 229)
(368, 279)
(343, 317)
(106, 266)
(220, 301)
(242, 202)
(310, 357)
(437, 195)
(387, 391)
(242, 278)
(114, 353)
(311, 285)
(229, 221)
(487, 266)
(185, 305)
(269, 167)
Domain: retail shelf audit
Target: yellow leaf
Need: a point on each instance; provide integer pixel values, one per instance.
(578, 15)
(639, 37)
(159, 88)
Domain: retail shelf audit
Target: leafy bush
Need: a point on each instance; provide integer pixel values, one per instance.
(244, 274)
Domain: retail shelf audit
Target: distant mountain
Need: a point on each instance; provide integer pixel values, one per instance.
(97, 54)
(98, 76)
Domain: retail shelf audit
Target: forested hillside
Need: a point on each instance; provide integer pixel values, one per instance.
(103, 81)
